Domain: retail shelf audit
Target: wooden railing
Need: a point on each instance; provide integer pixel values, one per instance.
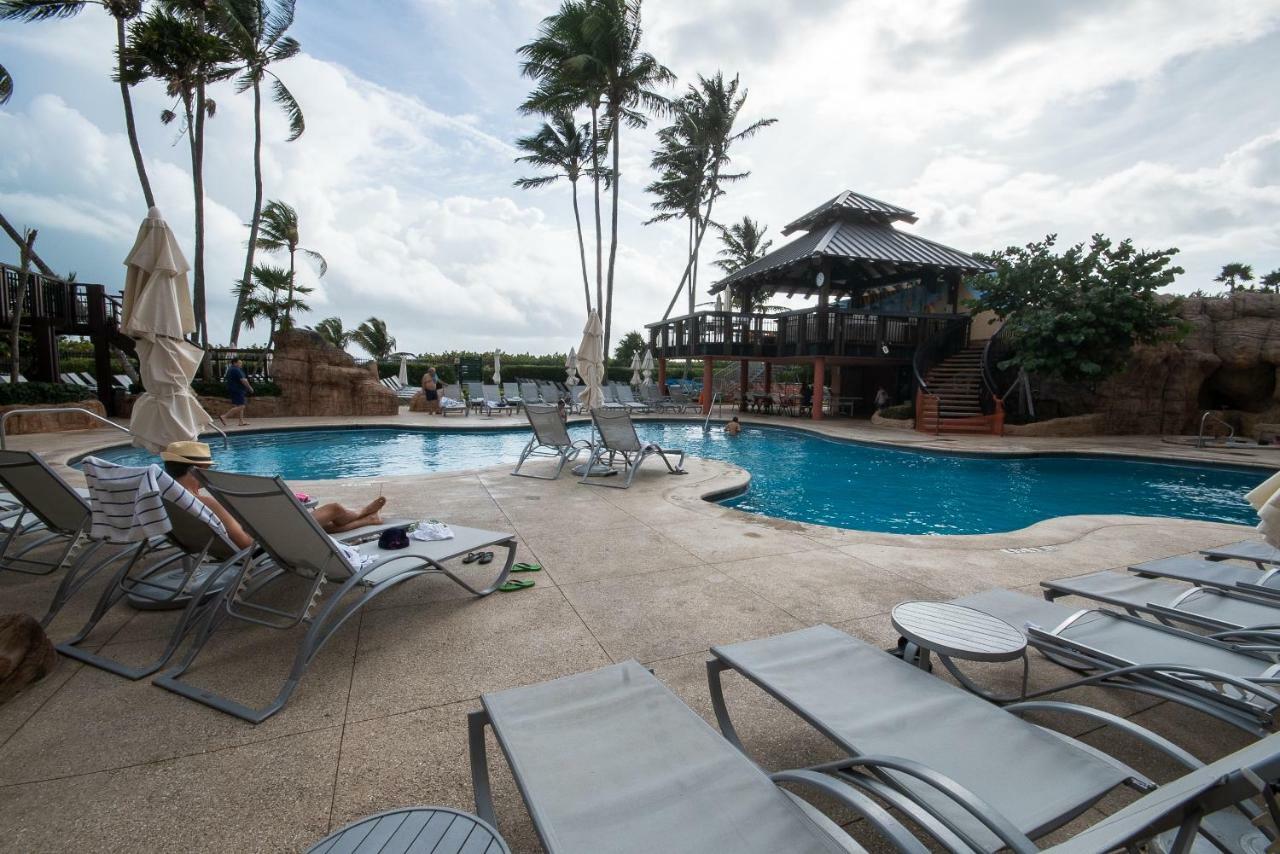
(797, 333)
(68, 306)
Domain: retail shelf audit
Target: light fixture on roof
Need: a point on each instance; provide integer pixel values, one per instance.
(819, 279)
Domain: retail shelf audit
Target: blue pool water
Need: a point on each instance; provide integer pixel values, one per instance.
(797, 475)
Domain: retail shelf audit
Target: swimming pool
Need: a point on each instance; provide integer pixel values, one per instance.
(797, 475)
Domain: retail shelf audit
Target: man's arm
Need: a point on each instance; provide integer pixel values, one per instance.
(245, 381)
(234, 531)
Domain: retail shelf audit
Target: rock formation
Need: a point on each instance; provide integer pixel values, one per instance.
(26, 655)
(316, 378)
(52, 422)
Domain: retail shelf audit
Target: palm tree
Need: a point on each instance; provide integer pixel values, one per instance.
(6, 85)
(564, 147)
(1233, 274)
(330, 329)
(178, 49)
(373, 338)
(270, 296)
(1270, 283)
(255, 29)
(279, 233)
(744, 243)
(123, 11)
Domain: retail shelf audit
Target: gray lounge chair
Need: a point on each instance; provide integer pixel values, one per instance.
(657, 401)
(62, 513)
(1256, 551)
(1216, 610)
(550, 439)
(529, 393)
(609, 398)
(452, 393)
(292, 539)
(414, 830)
(976, 776)
(492, 400)
(1212, 573)
(618, 440)
(1226, 681)
(611, 760)
(625, 396)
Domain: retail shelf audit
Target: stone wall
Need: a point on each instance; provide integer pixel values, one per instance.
(49, 422)
(1227, 361)
(316, 378)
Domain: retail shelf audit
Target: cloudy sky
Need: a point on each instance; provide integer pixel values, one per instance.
(996, 120)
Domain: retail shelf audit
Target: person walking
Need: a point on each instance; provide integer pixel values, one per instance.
(238, 389)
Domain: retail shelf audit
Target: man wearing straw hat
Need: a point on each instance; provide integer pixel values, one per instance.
(181, 459)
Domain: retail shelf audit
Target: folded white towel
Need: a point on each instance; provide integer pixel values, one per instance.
(431, 530)
(357, 560)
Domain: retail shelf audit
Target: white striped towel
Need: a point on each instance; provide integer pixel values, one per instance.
(127, 502)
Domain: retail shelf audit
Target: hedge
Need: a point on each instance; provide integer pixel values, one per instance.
(217, 388)
(900, 412)
(27, 393)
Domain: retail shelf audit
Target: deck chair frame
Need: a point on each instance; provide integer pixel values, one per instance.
(59, 517)
(628, 448)
(550, 439)
(322, 616)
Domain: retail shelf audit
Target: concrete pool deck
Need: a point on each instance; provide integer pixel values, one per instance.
(89, 760)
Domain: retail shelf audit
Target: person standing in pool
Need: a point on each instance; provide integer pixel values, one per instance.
(238, 389)
(431, 391)
(733, 428)
(181, 459)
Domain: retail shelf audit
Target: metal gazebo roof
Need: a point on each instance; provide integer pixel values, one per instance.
(850, 204)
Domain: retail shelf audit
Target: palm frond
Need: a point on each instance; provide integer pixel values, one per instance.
(282, 96)
(39, 10)
(318, 258)
(6, 85)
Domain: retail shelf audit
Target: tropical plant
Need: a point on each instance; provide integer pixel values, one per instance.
(6, 85)
(330, 329)
(1233, 275)
(255, 31)
(628, 346)
(122, 11)
(692, 160)
(177, 46)
(373, 338)
(278, 232)
(272, 296)
(743, 244)
(563, 147)
(589, 55)
(1270, 283)
(1077, 315)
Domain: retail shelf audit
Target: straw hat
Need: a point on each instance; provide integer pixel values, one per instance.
(195, 453)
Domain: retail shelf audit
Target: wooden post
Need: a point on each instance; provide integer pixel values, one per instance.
(662, 376)
(743, 391)
(708, 368)
(953, 290)
(819, 377)
(824, 296)
(97, 297)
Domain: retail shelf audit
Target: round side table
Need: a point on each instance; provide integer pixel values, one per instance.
(957, 632)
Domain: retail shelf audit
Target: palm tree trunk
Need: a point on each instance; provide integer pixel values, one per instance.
(254, 221)
(702, 230)
(595, 180)
(197, 181)
(288, 306)
(130, 127)
(613, 233)
(582, 249)
(17, 238)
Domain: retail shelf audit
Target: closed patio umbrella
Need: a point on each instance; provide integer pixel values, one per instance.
(591, 362)
(571, 368)
(646, 366)
(404, 369)
(157, 314)
(497, 368)
(635, 368)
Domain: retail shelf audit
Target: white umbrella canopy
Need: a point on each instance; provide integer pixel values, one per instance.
(404, 369)
(157, 313)
(571, 368)
(591, 362)
(646, 366)
(635, 368)
(497, 368)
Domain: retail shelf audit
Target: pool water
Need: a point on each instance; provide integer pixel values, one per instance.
(797, 475)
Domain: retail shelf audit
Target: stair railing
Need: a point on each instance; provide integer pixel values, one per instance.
(931, 352)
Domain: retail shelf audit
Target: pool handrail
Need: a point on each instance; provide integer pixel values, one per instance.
(4, 419)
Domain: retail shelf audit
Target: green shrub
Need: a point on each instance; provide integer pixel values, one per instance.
(900, 412)
(217, 388)
(29, 393)
(510, 373)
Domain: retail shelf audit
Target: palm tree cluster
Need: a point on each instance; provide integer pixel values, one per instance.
(1237, 276)
(744, 244)
(693, 159)
(588, 56)
(374, 339)
(188, 46)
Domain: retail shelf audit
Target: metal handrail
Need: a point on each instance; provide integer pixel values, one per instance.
(4, 419)
(706, 422)
(1209, 413)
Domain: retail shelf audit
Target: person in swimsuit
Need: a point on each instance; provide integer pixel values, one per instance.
(431, 391)
(182, 458)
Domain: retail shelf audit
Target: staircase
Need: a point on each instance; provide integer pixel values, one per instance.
(953, 402)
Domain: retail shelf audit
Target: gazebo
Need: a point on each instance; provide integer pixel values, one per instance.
(887, 300)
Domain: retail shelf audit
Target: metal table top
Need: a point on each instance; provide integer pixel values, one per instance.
(958, 632)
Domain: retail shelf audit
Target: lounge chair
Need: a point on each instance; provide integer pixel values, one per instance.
(611, 760)
(1213, 573)
(1256, 551)
(1228, 682)
(62, 512)
(414, 830)
(657, 401)
(292, 539)
(1207, 608)
(976, 776)
(550, 439)
(573, 399)
(609, 399)
(475, 396)
(450, 399)
(529, 393)
(494, 401)
(624, 395)
(618, 439)
(69, 378)
(682, 399)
